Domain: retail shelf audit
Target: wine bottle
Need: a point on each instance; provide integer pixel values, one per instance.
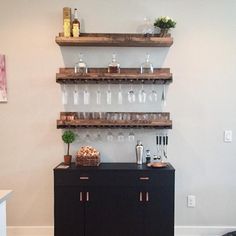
(75, 24)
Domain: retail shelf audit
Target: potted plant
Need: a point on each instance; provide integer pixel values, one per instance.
(164, 23)
(68, 137)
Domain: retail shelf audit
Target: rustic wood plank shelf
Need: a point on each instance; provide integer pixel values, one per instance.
(126, 75)
(70, 120)
(115, 39)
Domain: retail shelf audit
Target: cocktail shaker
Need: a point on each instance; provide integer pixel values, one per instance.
(139, 153)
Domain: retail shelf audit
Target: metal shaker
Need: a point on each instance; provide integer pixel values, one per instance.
(139, 153)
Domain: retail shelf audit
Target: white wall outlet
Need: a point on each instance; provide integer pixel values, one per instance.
(228, 135)
(191, 201)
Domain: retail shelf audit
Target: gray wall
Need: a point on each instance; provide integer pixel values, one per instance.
(201, 100)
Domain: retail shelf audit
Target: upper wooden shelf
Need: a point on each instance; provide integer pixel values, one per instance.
(126, 75)
(115, 40)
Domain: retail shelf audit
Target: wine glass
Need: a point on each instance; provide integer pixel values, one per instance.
(64, 94)
(98, 96)
(142, 95)
(86, 95)
(163, 96)
(76, 95)
(121, 137)
(131, 136)
(131, 94)
(153, 95)
(120, 98)
(109, 94)
(109, 136)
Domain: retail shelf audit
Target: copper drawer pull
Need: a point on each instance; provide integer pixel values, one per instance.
(140, 196)
(84, 177)
(144, 178)
(147, 197)
(87, 196)
(80, 196)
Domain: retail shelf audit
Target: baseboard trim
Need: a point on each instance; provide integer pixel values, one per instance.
(203, 230)
(179, 230)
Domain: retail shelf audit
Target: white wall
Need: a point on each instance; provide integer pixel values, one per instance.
(201, 100)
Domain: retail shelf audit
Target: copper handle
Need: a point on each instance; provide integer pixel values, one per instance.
(144, 178)
(140, 196)
(87, 196)
(80, 196)
(147, 197)
(84, 177)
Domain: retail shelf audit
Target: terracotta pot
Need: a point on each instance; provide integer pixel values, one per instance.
(67, 159)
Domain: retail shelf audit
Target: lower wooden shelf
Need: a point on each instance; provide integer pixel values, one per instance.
(72, 120)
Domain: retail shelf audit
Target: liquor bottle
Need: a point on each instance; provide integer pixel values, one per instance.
(114, 66)
(75, 24)
(67, 21)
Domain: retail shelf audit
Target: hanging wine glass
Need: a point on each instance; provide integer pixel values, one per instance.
(98, 96)
(64, 94)
(109, 94)
(131, 136)
(142, 95)
(86, 95)
(81, 66)
(109, 136)
(121, 137)
(163, 96)
(76, 95)
(131, 94)
(120, 97)
(153, 96)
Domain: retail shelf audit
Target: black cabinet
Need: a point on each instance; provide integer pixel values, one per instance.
(118, 199)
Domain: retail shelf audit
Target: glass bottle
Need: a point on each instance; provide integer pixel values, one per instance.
(148, 29)
(148, 156)
(75, 24)
(147, 67)
(114, 66)
(80, 66)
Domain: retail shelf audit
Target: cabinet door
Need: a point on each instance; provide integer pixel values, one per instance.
(69, 212)
(114, 211)
(159, 211)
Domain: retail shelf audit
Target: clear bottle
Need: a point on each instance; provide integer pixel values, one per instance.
(80, 66)
(114, 66)
(75, 24)
(148, 156)
(147, 67)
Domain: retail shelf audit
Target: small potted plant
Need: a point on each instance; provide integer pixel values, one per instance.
(68, 137)
(164, 23)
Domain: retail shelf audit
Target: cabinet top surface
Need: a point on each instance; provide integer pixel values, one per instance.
(114, 166)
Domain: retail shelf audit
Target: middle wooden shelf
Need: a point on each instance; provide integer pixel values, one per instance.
(154, 120)
(126, 75)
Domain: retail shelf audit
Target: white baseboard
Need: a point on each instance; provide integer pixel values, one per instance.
(179, 230)
(203, 230)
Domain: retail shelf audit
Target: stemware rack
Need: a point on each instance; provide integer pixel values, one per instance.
(126, 75)
(158, 120)
(115, 39)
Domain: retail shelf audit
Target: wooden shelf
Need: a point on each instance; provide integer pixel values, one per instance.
(70, 120)
(126, 75)
(117, 40)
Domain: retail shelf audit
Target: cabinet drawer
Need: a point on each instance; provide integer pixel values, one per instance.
(114, 178)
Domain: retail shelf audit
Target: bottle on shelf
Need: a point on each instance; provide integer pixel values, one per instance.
(81, 66)
(148, 156)
(67, 21)
(75, 24)
(147, 67)
(114, 66)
